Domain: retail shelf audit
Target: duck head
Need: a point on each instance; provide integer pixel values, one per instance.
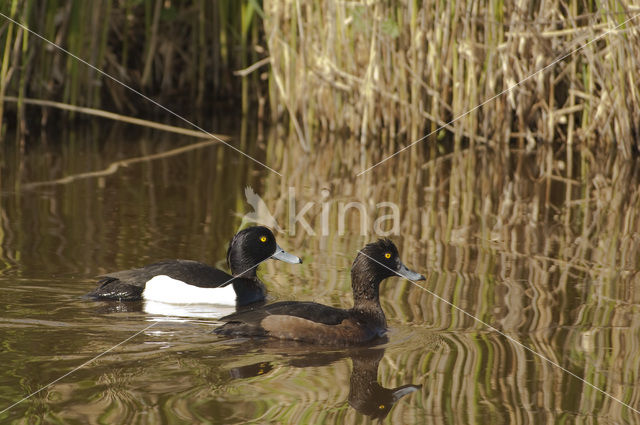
(250, 247)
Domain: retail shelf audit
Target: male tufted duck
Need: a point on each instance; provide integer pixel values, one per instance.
(321, 324)
(186, 281)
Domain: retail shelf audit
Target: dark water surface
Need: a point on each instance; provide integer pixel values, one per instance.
(541, 245)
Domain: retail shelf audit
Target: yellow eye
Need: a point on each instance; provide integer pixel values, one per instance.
(381, 407)
(263, 238)
(387, 255)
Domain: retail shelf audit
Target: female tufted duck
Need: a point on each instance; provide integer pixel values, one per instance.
(186, 281)
(321, 324)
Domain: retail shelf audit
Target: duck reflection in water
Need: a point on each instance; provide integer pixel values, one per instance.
(366, 395)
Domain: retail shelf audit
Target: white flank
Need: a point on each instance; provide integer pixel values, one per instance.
(164, 289)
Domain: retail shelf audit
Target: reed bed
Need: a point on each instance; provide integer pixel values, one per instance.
(392, 72)
(181, 54)
(388, 72)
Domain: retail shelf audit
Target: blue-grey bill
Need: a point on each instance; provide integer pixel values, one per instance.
(283, 255)
(404, 390)
(409, 274)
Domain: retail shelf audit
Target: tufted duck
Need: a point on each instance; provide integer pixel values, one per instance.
(186, 281)
(321, 324)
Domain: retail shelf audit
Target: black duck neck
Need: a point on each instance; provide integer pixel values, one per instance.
(249, 291)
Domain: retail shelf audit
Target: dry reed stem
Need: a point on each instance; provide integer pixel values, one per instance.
(436, 61)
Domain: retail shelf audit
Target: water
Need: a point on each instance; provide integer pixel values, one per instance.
(542, 245)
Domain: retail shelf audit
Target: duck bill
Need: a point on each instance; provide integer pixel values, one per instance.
(283, 255)
(402, 391)
(409, 274)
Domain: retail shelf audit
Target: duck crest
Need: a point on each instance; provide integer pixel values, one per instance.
(237, 263)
